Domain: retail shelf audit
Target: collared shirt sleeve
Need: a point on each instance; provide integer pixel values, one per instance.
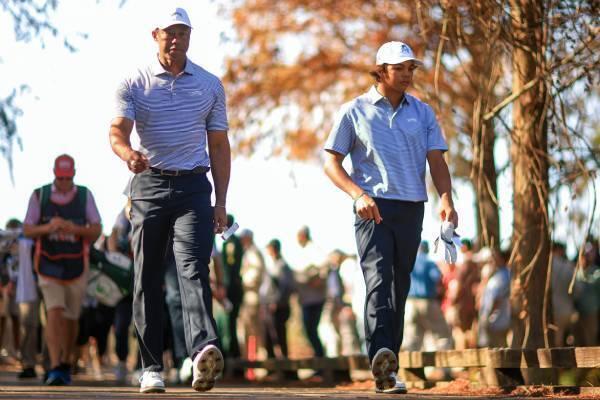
(91, 211)
(217, 117)
(124, 106)
(342, 135)
(435, 139)
(33, 211)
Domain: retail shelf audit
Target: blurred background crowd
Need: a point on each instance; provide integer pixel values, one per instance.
(290, 300)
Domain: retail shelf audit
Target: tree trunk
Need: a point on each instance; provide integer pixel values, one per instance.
(530, 175)
(483, 168)
(484, 179)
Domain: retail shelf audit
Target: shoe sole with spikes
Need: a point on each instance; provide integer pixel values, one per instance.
(383, 365)
(208, 367)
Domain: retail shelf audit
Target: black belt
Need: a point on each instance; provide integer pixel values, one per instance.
(198, 170)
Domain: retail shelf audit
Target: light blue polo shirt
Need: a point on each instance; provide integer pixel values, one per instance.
(173, 114)
(388, 147)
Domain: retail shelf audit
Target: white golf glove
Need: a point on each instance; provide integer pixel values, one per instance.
(450, 240)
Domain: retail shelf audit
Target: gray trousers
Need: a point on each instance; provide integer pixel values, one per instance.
(177, 207)
(387, 254)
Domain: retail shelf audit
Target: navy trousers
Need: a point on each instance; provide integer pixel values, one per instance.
(177, 208)
(387, 254)
(173, 300)
(311, 315)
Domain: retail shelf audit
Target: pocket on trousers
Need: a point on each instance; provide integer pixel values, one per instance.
(148, 186)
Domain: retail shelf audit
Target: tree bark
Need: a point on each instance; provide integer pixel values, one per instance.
(485, 183)
(483, 168)
(530, 175)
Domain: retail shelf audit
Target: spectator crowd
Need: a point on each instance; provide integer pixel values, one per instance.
(463, 305)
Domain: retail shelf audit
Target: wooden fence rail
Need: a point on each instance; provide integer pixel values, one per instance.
(497, 367)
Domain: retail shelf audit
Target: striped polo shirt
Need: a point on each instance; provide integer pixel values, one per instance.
(173, 114)
(388, 147)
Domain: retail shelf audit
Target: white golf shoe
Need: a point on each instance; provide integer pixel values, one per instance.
(208, 366)
(152, 382)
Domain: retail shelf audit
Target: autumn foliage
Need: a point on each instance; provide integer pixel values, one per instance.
(521, 70)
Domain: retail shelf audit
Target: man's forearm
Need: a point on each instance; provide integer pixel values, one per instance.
(338, 175)
(440, 175)
(220, 161)
(112, 241)
(119, 133)
(120, 144)
(34, 231)
(90, 232)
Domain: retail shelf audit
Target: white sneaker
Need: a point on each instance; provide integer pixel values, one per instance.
(208, 366)
(152, 382)
(398, 388)
(383, 367)
(185, 372)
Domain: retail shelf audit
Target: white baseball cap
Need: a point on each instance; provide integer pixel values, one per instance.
(174, 16)
(395, 53)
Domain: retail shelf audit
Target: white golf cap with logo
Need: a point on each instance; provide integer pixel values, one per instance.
(395, 53)
(174, 16)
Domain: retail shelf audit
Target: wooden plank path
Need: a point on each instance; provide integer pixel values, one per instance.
(85, 387)
(508, 368)
(495, 367)
(233, 393)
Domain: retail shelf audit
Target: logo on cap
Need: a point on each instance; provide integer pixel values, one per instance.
(64, 166)
(175, 16)
(395, 53)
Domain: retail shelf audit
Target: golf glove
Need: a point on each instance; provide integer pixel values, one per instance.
(447, 238)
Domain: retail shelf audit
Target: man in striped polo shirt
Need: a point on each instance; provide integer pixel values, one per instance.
(178, 109)
(390, 135)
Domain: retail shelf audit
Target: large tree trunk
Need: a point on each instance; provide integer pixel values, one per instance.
(530, 175)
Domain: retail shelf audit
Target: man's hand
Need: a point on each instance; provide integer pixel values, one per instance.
(364, 205)
(448, 213)
(442, 182)
(137, 162)
(220, 219)
(70, 228)
(220, 165)
(219, 292)
(56, 224)
(366, 208)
